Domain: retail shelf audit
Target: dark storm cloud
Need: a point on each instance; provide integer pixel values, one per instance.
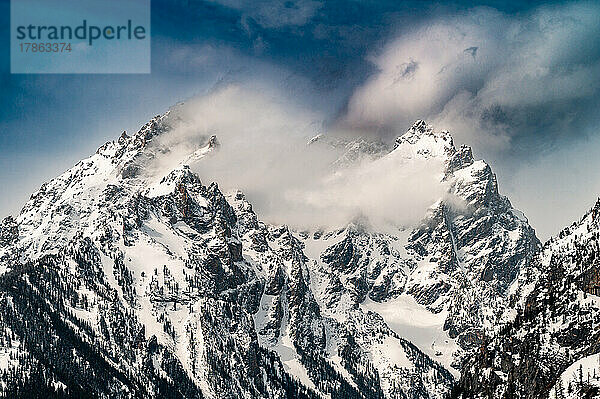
(328, 41)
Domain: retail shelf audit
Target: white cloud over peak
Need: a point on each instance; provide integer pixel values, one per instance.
(264, 152)
(481, 73)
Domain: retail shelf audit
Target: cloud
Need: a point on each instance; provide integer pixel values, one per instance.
(264, 152)
(390, 191)
(275, 14)
(488, 77)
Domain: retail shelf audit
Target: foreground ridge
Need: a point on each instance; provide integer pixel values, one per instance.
(550, 349)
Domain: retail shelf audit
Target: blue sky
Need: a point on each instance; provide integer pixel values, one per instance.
(540, 134)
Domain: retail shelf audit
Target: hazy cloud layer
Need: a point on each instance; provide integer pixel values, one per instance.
(264, 152)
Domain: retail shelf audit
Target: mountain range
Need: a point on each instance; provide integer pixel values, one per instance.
(123, 279)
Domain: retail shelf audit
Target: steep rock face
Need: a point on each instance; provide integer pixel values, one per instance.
(458, 263)
(471, 246)
(141, 281)
(319, 342)
(555, 327)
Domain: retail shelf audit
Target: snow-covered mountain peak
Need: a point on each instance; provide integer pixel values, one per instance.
(423, 141)
(421, 129)
(127, 146)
